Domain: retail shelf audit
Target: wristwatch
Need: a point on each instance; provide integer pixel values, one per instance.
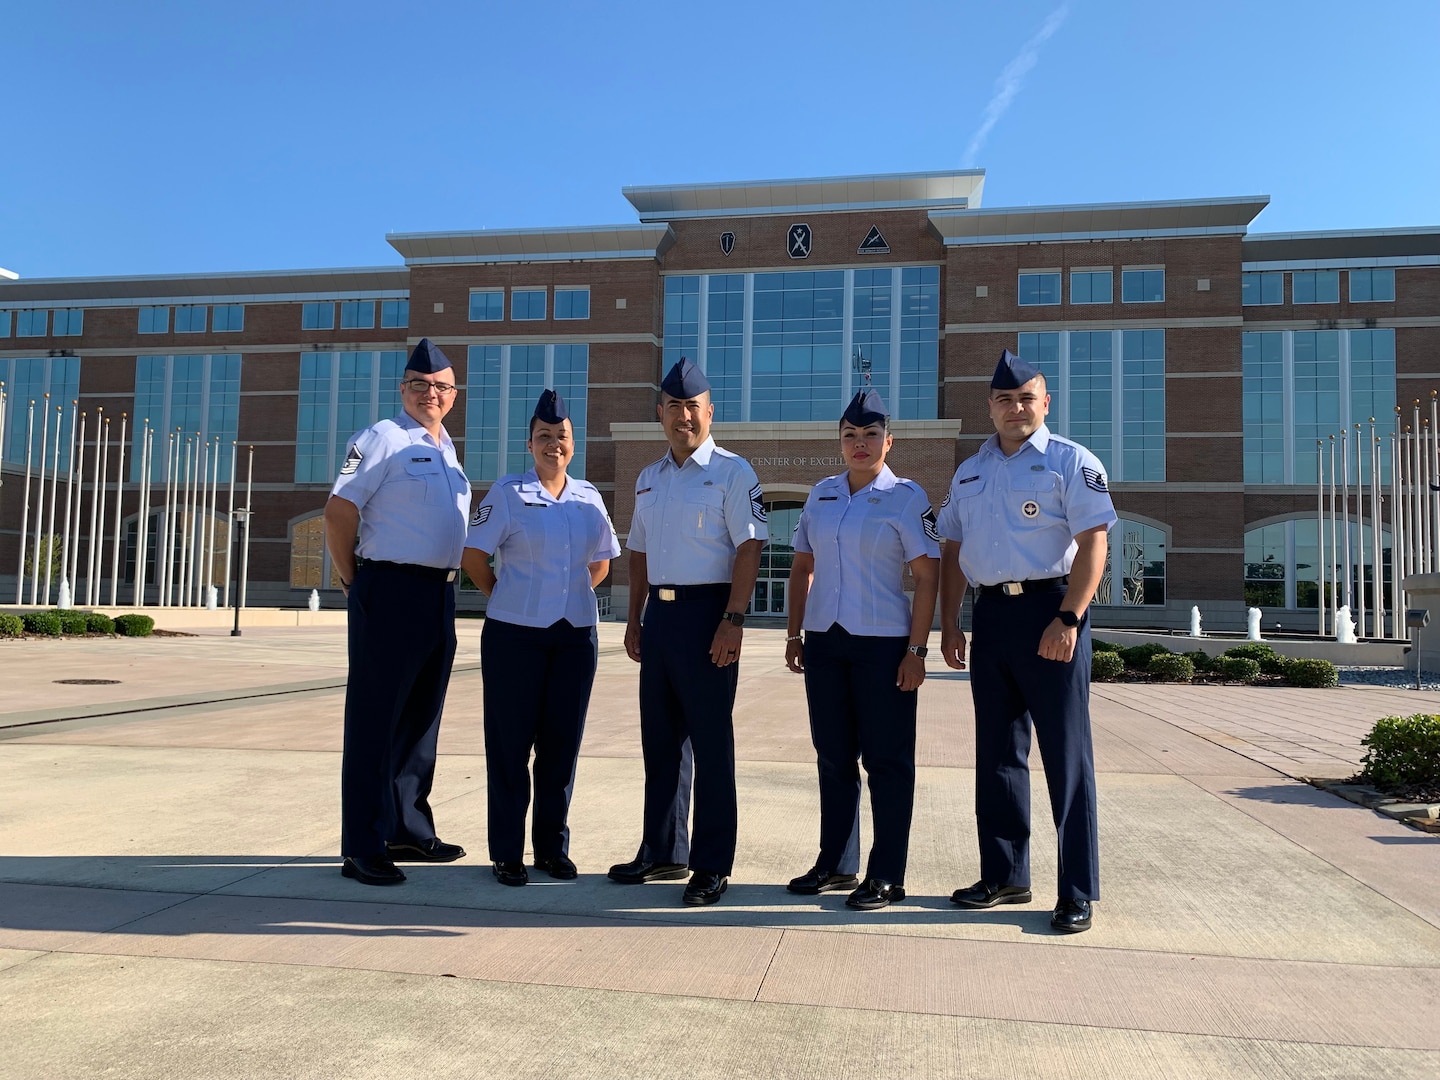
(921, 651)
(734, 618)
(1068, 618)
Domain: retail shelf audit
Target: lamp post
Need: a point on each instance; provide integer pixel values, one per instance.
(240, 518)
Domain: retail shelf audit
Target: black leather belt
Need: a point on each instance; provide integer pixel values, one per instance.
(1015, 588)
(434, 573)
(688, 592)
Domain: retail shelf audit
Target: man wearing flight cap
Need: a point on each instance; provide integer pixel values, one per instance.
(695, 540)
(1026, 520)
(395, 526)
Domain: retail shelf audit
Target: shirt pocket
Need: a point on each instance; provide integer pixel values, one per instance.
(1036, 499)
(967, 506)
(703, 513)
(427, 479)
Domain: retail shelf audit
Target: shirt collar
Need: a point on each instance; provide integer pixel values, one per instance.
(417, 432)
(531, 485)
(1040, 440)
(702, 455)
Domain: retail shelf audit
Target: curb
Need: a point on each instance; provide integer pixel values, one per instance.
(1425, 816)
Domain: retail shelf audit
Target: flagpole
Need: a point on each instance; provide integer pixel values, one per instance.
(40, 503)
(250, 513)
(25, 506)
(119, 511)
(69, 495)
(230, 528)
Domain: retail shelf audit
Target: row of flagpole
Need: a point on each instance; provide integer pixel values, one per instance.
(185, 521)
(1414, 518)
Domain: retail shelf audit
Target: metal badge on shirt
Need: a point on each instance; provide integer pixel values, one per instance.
(1030, 509)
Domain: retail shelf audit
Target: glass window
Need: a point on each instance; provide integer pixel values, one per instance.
(31, 323)
(1315, 287)
(497, 426)
(1372, 285)
(4, 324)
(227, 318)
(487, 306)
(1142, 390)
(527, 305)
(682, 322)
(1091, 403)
(357, 314)
(1092, 287)
(1043, 350)
(318, 315)
(1134, 566)
(154, 320)
(191, 319)
(1263, 399)
(572, 303)
(341, 393)
(724, 343)
(29, 379)
(1265, 566)
(1262, 288)
(395, 313)
(69, 322)
(196, 394)
(1142, 286)
(1039, 289)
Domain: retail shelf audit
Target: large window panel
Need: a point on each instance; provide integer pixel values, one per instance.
(185, 395)
(1038, 290)
(1262, 288)
(1372, 286)
(1134, 566)
(341, 393)
(1142, 395)
(1263, 406)
(29, 379)
(503, 383)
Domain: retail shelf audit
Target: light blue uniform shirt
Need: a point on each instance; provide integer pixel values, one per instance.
(690, 519)
(1016, 517)
(543, 548)
(861, 544)
(414, 497)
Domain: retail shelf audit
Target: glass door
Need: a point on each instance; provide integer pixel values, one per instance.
(773, 583)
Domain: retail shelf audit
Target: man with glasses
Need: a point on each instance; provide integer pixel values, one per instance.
(395, 525)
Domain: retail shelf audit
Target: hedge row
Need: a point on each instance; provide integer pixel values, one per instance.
(60, 621)
(1240, 663)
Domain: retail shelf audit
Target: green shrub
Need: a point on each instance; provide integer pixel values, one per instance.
(71, 622)
(42, 623)
(134, 625)
(1137, 657)
(1172, 667)
(1237, 669)
(1106, 666)
(1311, 673)
(97, 623)
(11, 625)
(1404, 751)
(1096, 645)
(1200, 660)
(1271, 662)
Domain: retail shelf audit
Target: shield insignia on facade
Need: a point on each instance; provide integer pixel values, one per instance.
(727, 243)
(797, 240)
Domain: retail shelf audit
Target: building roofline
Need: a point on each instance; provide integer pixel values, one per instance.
(1088, 221)
(245, 283)
(628, 241)
(947, 189)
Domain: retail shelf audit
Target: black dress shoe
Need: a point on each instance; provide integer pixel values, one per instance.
(875, 893)
(982, 895)
(510, 873)
(1071, 916)
(372, 870)
(705, 888)
(432, 850)
(639, 871)
(815, 881)
(558, 867)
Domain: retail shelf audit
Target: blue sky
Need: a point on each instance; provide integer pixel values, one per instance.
(204, 136)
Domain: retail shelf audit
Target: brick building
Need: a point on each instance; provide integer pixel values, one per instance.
(1199, 360)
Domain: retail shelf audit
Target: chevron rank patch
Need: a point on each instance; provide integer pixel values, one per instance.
(481, 515)
(946, 502)
(352, 461)
(1094, 479)
(932, 527)
(757, 503)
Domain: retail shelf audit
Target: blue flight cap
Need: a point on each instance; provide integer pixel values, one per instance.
(1012, 372)
(427, 358)
(865, 408)
(550, 409)
(685, 381)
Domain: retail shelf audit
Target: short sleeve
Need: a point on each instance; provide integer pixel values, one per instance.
(635, 541)
(363, 470)
(1087, 494)
(947, 520)
(919, 535)
(801, 539)
(490, 522)
(745, 515)
(607, 543)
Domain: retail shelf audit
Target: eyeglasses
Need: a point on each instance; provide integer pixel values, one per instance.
(420, 386)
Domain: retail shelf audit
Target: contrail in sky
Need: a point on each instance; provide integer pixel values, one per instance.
(1011, 79)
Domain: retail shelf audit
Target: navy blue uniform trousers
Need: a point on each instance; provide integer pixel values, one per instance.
(686, 728)
(1014, 686)
(537, 692)
(857, 713)
(402, 645)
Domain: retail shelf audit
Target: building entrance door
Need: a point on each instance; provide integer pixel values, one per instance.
(773, 585)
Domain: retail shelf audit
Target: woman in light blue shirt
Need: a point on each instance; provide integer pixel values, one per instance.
(863, 652)
(553, 542)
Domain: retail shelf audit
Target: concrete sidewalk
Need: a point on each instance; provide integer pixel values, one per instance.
(170, 902)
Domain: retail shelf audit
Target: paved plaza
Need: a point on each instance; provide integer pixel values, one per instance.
(171, 903)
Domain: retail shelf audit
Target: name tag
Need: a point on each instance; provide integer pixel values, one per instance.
(829, 498)
(422, 459)
(642, 491)
(967, 480)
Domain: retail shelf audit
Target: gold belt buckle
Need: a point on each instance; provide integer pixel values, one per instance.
(665, 594)
(450, 576)
(1012, 588)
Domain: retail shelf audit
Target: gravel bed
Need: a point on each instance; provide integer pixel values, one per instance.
(1397, 678)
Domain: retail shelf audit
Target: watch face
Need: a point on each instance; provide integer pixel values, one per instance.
(921, 651)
